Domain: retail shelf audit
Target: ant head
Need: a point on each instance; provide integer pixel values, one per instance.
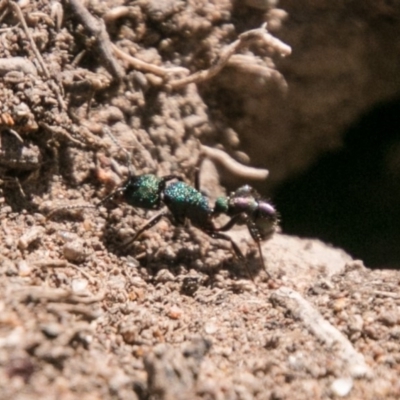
(264, 221)
(143, 191)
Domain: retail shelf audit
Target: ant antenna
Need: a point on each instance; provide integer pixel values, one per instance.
(111, 195)
(107, 131)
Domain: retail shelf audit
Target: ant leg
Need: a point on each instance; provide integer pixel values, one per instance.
(257, 238)
(238, 219)
(167, 178)
(241, 219)
(238, 252)
(128, 155)
(110, 196)
(197, 179)
(262, 259)
(149, 224)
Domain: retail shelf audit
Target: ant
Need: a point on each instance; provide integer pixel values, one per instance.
(186, 203)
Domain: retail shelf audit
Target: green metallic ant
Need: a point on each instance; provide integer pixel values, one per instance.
(187, 203)
(180, 202)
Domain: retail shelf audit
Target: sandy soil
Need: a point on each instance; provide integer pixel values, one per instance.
(175, 316)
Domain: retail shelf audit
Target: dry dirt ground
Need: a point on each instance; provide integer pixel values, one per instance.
(175, 316)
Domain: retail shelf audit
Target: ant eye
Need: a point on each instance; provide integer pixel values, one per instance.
(267, 209)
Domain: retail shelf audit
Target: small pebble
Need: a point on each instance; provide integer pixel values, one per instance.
(52, 329)
(74, 251)
(210, 327)
(79, 285)
(9, 241)
(342, 386)
(30, 236)
(24, 268)
(67, 236)
(339, 304)
(164, 276)
(175, 312)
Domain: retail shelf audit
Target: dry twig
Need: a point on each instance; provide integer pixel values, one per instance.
(37, 293)
(323, 330)
(62, 264)
(87, 312)
(59, 131)
(21, 18)
(97, 29)
(15, 7)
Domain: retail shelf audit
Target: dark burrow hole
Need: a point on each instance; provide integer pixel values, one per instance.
(351, 198)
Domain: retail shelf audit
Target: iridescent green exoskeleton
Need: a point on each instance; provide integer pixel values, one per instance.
(186, 203)
(183, 202)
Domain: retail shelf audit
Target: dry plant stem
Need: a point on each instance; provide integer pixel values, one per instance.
(62, 264)
(116, 13)
(323, 330)
(59, 131)
(15, 7)
(8, 29)
(245, 39)
(21, 18)
(146, 67)
(17, 64)
(37, 293)
(83, 310)
(232, 165)
(15, 134)
(97, 29)
(385, 294)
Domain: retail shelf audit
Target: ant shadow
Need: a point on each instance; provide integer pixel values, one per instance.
(181, 249)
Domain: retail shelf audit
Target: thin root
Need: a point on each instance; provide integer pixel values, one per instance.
(59, 131)
(244, 39)
(146, 67)
(232, 165)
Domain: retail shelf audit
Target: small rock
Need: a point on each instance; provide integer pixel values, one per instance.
(175, 312)
(210, 327)
(74, 251)
(24, 268)
(342, 386)
(79, 285)
(164, 276)
(30, 236)
(52, 329)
